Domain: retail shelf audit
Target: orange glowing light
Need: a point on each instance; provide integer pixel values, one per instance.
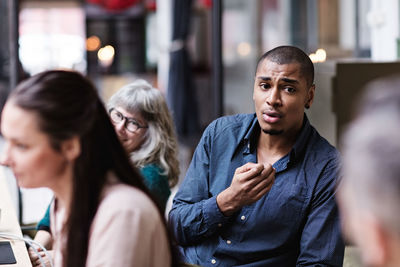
(93, 43)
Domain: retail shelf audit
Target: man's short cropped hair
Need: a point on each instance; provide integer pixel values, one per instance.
(291, 54)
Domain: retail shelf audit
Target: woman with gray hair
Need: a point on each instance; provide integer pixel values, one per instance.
(145, 128)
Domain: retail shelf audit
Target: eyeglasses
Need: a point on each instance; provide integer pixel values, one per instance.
(130, 124)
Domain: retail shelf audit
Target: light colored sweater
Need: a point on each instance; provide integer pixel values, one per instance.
(127, 230)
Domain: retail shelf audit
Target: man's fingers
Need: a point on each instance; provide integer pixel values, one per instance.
(243, 168)
(255, 176)
(266, 185)
(249, 167)
(267, 171)
(250, 174)
(263, 181)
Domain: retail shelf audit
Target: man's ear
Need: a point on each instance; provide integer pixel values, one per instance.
(71, 148)
(310, 96)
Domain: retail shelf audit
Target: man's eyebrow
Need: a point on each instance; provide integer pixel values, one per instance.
(263, 78)
(287, 80)
(290, 80)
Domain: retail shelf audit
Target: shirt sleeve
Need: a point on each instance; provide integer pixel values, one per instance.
(321, 242)
(195, 214)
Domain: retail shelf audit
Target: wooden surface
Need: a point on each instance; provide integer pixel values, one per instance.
(9, 224)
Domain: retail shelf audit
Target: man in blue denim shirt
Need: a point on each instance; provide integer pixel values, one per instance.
(260, 190)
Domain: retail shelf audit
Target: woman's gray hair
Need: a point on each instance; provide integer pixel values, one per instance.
(160, 145)
(371, 152)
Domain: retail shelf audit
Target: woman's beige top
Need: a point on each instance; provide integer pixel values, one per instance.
(127, 230)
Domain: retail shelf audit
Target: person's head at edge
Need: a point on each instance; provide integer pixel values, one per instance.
(369, 193)
(283, 88)
(59, 135)
(155, 142)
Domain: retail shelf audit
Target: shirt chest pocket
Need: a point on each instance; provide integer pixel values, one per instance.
(278, 216)
(286, 207)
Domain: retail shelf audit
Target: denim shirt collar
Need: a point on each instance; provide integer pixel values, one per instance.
(251, 137)
(302, 139)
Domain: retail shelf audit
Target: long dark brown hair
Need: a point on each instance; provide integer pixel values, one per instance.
(67, 105)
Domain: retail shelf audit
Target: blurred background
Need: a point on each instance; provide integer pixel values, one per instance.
(200, 53)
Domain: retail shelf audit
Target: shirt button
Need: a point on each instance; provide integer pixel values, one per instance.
(220, 225)
(228, 242)
(213, 261)
(243, 218)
